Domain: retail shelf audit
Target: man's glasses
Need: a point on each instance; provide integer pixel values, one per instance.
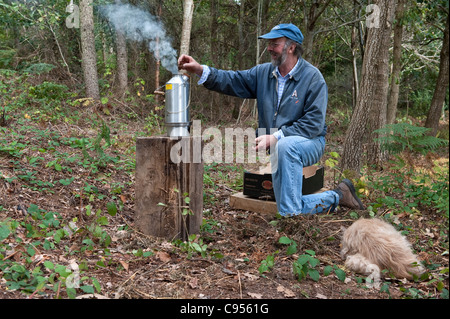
(273, 45)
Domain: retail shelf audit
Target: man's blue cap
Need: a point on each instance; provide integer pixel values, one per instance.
(287, 30)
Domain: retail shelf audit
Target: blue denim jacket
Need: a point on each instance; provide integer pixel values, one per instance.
(303, 104)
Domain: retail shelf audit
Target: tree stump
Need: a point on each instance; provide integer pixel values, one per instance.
(169, 186)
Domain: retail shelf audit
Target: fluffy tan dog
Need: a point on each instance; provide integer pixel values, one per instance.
(372, 244)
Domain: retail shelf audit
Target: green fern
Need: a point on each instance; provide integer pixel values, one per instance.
(39, 68)
(396, 138)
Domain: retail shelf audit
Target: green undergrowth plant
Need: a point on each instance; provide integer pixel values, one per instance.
(292, 248)
(218, 175)
(194, 245)
(268, 263)
(304, 266)
(26, 268)
(101, 159)
(396, 138)
(25, 247)
(95, 229)
(34, 280)
(411, 186)
(332, 164)
(410, 190)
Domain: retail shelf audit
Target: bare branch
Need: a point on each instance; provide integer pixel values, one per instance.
(339, 26)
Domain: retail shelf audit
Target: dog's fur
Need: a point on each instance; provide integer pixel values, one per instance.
(372, 244)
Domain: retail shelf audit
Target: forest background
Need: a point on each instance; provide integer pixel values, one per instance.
(74, 98)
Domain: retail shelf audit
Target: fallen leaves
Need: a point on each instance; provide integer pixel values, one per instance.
(286, 292)
(193, 283)
(255, 295)
(163, 256)
(250, 276)
(124, 264)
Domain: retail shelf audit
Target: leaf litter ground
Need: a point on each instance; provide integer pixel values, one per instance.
(49, 172)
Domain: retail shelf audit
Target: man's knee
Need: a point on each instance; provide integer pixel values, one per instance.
(291, 145)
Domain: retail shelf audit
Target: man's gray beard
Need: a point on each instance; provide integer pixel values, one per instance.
(280, 60)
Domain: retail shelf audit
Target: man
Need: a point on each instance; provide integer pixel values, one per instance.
(292, 99)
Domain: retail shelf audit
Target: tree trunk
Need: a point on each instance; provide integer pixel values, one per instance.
(105, 48)
(214, 12)
(258, 30)
(88, 53)
(188, 10)
(434, 114)
(354, 48)
(158, 60)
(396, 63)
(259, 24)
(308, 30)
(370, 111)
(122, 63)
(311, 16)
(214, 46)
(241, 52)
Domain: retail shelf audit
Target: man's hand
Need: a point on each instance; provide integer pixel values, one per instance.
(264, 142)
(186, 62)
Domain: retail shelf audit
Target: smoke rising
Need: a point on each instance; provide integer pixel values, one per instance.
(138, 25)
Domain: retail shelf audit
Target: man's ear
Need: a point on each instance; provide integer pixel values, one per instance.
(292, 48)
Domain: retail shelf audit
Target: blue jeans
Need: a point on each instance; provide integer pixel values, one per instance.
(292, 153)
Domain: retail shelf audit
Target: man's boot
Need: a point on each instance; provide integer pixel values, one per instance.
(347, 195)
